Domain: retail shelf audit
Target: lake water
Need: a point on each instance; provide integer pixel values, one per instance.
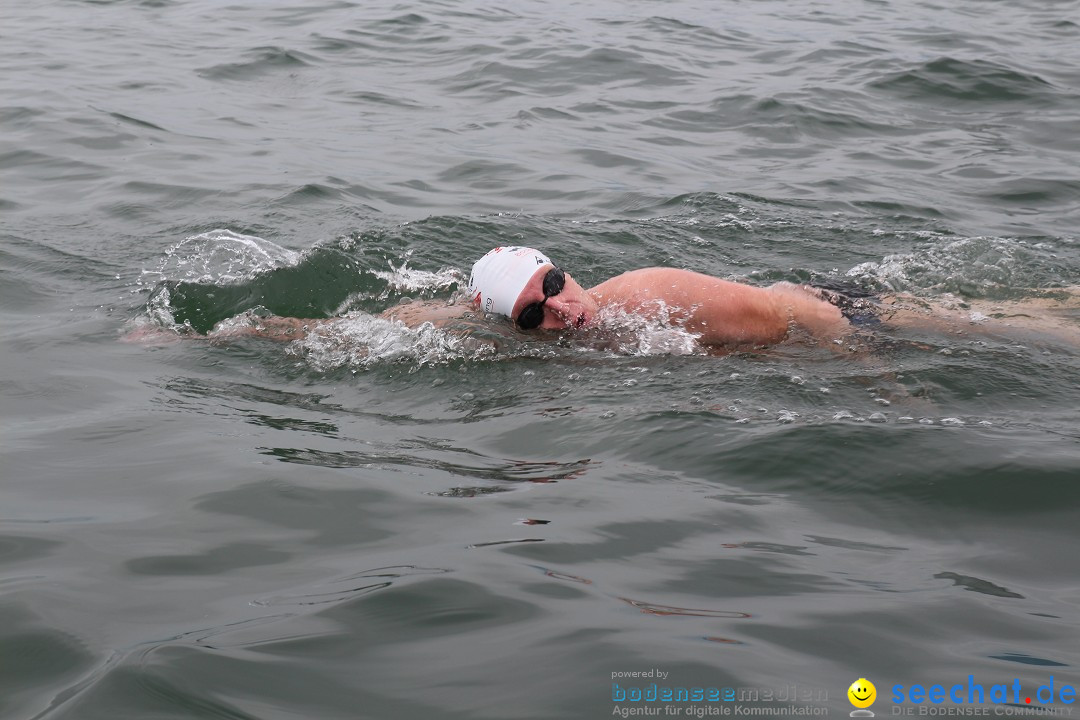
(396, 524)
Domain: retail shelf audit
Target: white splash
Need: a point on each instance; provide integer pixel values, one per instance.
(975, 264)
(358, 340)
(407, 279)
(223, 257)
(652, 333)
(159, 309)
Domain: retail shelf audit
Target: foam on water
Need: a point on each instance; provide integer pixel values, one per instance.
(974, 266)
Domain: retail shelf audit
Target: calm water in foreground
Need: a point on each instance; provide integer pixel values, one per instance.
(394, 524)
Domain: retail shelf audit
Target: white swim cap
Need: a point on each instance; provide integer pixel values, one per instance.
(499, 277)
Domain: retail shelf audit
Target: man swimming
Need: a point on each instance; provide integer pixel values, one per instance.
(524, 285)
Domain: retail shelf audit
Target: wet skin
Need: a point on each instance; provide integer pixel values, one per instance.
(719, 311)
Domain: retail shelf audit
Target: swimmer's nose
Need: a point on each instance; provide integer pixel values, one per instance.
(562, 309)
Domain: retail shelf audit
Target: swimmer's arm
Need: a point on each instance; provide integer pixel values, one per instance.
(732, 313)
(288, 329)
(436, 312)
(283, 329)
(720, 311)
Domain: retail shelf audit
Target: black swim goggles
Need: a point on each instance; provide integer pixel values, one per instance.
(532, 315)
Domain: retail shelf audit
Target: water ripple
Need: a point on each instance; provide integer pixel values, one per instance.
(978, 81)
(262, 60)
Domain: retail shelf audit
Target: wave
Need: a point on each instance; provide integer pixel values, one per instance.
(974, 81)
(262, 60)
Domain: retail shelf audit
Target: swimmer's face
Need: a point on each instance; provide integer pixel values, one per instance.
(862, 693)
(572, 307)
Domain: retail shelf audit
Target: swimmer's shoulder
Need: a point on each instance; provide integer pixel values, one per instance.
(633, 284)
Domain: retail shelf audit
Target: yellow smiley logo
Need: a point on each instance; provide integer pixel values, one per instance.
(862, 693)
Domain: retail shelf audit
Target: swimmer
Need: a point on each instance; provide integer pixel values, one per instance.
(534, 293)
(526, 286)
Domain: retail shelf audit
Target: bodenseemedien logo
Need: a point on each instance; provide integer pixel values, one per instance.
(862, 694)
